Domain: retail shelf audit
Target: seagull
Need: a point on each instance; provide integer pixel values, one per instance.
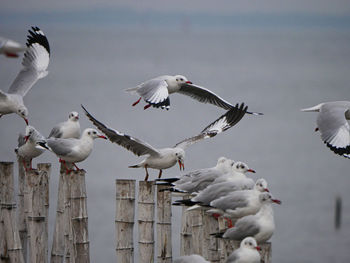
(190, 259)
(260, 226)
(333, 124)
(156, 92)
(247, 252)
(27, 146)
(198, 180)
(238, 175)
(72, 150)
(10, 48)
(240, 203)
(35, 62)
(67, 129)
(167, 157)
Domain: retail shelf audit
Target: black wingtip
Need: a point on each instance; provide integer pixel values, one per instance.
(340, 151)
(218, 235)
(37, 36)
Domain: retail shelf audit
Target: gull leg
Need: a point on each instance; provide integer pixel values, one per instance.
(216, 216)
(65, 165)
(147, 175)
(229, 223)
(147, 106)
(30, 163)
(76, 166)
(160, 173)
(25, 165)
(136, 102)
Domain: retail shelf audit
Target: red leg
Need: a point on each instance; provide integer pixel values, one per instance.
(229, 223)
(160, 173)
(25, 165)
(30, 163)
(147, 106)
(146, 178)
(76, 166)
(65, 165)
(216, 216)
(136, 102)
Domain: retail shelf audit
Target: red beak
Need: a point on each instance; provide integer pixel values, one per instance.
(189, 82)
(77, 118)
(266, 190)
(103, 137)
(181, 165)
(26, 120)
(251, 170)
(276, 201)
(26, 138)
(258, 248)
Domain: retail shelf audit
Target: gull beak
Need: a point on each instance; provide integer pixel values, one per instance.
(266, 190)
(102, 137)
(276, 201)
(77, 117)
(26, 138)
(251, 171)
(26, 120)
(181, 165)
(189, 82)
(258, 248)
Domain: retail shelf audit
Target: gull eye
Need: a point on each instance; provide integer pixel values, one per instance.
(182, 79)
(89, 133)
(94, 132)
(176, 154)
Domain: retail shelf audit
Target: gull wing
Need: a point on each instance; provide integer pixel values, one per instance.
(35, 62)
(155, 92)
(226, 121)
(134, 145)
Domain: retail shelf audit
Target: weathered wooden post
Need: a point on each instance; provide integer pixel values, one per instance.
(222, 242)
(57, 251)
(186, 231)
(164, 252)
(146, 209)
(124, 220)
(79, 216)
(21, 218)
(197, 233)
(9, 231)
(37, 183)
(211, 244)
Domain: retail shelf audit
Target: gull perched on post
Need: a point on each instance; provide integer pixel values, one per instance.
(167, 157)
(156, 92)
(67, 129)
(35, 63)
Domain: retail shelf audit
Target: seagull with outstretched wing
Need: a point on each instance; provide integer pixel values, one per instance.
(156, 92)
(167, 157)
(35, 62)
(10, 48)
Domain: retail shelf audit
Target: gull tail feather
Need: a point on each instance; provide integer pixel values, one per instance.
(132, 90)
(314, 108)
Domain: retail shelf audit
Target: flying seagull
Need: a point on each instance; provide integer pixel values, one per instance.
(10, 48)
(167, 157)
(156, 92)
(35, 62)
(333, 124)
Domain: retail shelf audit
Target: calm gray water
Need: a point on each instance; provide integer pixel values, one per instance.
(274, 71)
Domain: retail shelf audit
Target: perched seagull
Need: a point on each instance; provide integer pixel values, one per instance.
(233, 182)
(168, 157)
(72, 150)
(190, 259)
(156, 92)
(333, 124)
(27, 146)
(67, 129)
(10, 48)
(35, 62)
(238, 175)
(247, 252)
(241, 203)
(198, 180)
(260, 226)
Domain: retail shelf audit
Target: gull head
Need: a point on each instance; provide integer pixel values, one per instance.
(22, 111)
(266, 198)
(181, 80)
(93, 134)
(32, 134)
(249, 242)
(261, 185)
(241, 167)
(73, 116)
(180, 158)
(224, 164)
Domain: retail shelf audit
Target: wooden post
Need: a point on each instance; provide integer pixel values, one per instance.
(57, 251)
(164, 252)
(9, 230)
(146, 221)
(222, 242)
(37, 183)
(211, 244)
(265, 252)
(21, 216)
(186, 231)
(197, 232)
(79, 216)
(124, 220)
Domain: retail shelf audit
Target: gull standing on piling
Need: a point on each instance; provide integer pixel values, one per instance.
(35, 63)
(333, 124)
(156, 92)
(67, 129)
(167, 157)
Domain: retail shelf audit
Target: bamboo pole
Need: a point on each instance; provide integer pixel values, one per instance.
(186, 231)
(79, 216)
(8, 215)
(164, 252)
(57, 251)
(37, 183)
(21, 217)
(124, 220)
(146, 207)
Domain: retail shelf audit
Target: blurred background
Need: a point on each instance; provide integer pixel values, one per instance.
(277, 57)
